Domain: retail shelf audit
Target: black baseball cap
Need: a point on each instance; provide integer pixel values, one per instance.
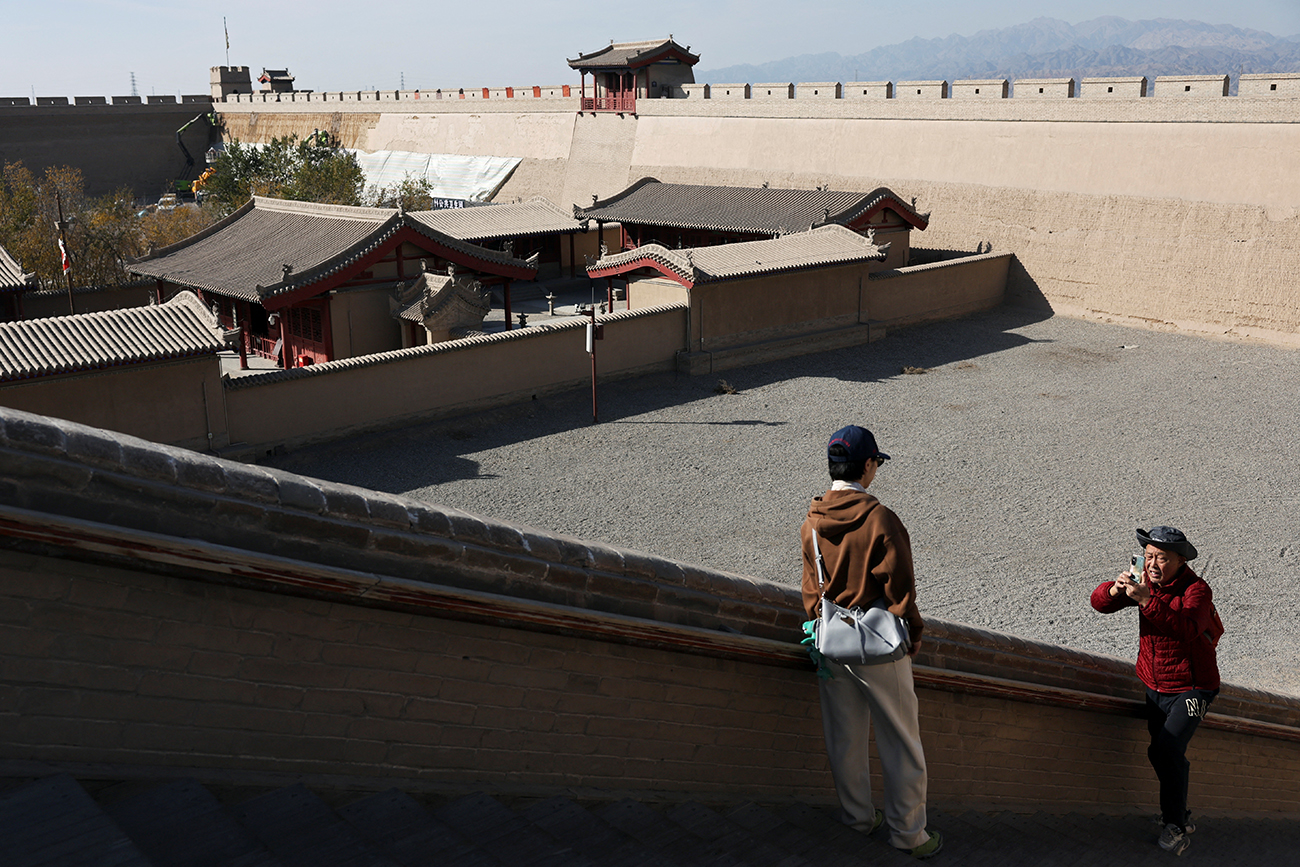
(858, 442)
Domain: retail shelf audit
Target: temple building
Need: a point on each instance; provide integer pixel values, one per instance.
(623, 72)
(305, 283)
(697, 215)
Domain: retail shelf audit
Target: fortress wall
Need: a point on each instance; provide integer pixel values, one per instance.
(168, 613)
(1218, 270)
(1190, 226)
(351, 128)
(1230, 162)
(114, 146)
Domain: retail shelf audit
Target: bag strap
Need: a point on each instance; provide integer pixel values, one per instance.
(821, 565)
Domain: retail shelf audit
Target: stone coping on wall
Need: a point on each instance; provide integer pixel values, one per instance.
(395, 355)
(1238, 109)
(73, 491)
(936, 266)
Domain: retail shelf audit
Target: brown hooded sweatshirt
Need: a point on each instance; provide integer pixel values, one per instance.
(868, 555)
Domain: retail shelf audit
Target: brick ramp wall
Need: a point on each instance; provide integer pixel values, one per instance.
(166, 613)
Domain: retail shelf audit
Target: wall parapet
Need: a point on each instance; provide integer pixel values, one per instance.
(1250, 85)
(182, 615)
(101, 496)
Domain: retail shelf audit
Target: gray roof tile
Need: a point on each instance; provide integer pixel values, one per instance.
(826, 245)
(757, 210)
(243, 256)
(250, 248)
(621, 55)
(537, 216)
(12, 275)
(44, 347)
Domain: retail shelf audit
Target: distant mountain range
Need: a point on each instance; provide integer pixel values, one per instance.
(1044, 48)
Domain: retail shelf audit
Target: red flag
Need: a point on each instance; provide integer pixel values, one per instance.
(63, 252)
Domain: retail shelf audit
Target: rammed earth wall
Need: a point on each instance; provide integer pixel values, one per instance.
(167, 613)
(1173, 213)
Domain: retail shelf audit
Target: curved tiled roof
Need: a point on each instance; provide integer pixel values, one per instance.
(537, 216)
(826, 245)
(244, 256)
(757, 210)
(622, 55)
(12, 275)
(250, 248)
(89, 341)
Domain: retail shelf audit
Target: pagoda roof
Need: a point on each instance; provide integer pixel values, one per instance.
(634, 55)
(820, 247)
(756, 210)
(274, 252)
(181, 328)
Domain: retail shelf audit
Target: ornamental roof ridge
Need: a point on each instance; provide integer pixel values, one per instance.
(319, 209)
(293, 279)
(12, 275)
(468, 248)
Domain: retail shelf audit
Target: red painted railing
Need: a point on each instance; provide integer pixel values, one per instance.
(617, 102)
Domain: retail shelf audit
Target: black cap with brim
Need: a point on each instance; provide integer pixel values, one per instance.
(1167, 539)
(859, 445)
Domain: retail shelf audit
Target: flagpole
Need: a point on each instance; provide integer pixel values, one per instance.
(226, 27)
(63, 251)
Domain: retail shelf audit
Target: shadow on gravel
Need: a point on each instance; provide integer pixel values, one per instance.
(427, 454)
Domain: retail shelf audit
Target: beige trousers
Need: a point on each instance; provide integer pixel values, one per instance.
(849, 701)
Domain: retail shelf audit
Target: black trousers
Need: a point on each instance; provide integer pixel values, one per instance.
(1172, 719)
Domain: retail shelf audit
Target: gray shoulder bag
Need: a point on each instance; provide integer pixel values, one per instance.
(852, 635)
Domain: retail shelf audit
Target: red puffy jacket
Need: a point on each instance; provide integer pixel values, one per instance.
(1177, 631)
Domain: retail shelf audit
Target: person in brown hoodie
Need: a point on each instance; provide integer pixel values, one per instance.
(868, 555)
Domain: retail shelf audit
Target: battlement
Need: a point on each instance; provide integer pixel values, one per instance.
(101, 101)
(232, 85)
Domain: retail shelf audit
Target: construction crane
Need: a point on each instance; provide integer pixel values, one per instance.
(182, 184)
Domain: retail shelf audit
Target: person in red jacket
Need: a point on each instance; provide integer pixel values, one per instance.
(1178, 629)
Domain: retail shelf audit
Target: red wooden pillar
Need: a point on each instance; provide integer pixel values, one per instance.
(609, 294)
(158, 291)
(284, 340)
(573, 259)
(509, 327)
(242, 321)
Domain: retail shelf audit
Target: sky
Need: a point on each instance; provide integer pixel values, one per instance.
(92, 47)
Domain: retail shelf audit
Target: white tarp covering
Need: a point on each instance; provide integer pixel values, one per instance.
(452, 176)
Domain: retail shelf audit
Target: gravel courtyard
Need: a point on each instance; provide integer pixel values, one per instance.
(1024, 455)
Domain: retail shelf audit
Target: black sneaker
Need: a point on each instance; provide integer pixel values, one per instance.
(1174, 839)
